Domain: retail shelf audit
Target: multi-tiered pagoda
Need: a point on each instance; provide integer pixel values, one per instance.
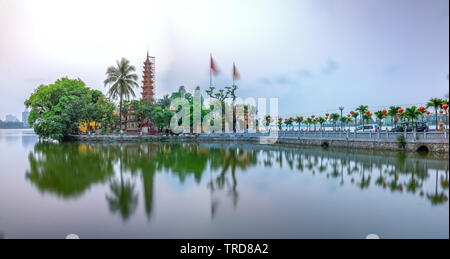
(148, 80)
(148, 94)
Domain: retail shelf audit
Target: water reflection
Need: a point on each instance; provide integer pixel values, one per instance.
(68, 170)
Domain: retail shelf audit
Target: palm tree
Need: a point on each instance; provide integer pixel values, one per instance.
(412, 114)
(362, 110)
(347, 121)
(380, 116)
(355, 115)
(436, 103)
(308, 122)
(314, 122)
(122, 80)
(343, 122)
(366, 118)
(164, 102)
(299, 121)
(393, 111)
(334, 117)
(322, 121)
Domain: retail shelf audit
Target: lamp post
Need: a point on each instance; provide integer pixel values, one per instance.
(342, 109)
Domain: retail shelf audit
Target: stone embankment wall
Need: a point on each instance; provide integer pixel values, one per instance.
(436, 146)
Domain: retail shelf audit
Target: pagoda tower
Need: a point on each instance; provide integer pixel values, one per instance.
(148, 80)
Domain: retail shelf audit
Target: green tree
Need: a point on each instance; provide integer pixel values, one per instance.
(362, 110)
(161, 117)
(221, 95)
(367, 117)
(314, 122)
(164, 102)
(436, 103)
(412, 114)
(57, 109)
(299, 121)
(288, 123)
(393, 111)
(322, 120)
(308, 123)
(280, 123)
(97, 108)
(345, 121)
(355, 116)
(334, 117)
(380, 116)
(122, 80)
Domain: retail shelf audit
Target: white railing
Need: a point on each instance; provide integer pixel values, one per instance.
(344, 135)
(368, 136)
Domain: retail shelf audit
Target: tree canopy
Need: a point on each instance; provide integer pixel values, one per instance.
(58, 108)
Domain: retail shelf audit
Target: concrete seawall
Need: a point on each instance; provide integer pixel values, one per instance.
(411, 146)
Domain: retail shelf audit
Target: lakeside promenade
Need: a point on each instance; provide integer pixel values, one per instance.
(413, 141)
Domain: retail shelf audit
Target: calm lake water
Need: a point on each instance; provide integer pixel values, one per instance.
(216, 191)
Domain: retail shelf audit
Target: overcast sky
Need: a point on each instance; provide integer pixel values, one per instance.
(314, 55)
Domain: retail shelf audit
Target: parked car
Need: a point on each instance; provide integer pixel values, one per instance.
(368, 128)
(419, 127)
(399, 128)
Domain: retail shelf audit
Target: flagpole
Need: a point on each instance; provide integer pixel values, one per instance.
(234, 68)
(210, 70)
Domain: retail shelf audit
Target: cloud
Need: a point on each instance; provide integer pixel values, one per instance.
(390, 70)
(330, 67)
(300, 76)
(265, 81)
(305, 73)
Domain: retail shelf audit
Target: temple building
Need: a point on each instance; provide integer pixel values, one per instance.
(148, 80)
(148, 94)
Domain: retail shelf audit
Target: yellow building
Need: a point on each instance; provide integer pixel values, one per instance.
(83, 126)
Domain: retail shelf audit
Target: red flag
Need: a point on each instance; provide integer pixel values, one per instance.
(214, 68)
(236, 75)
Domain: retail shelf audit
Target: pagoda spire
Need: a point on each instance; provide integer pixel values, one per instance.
(148, 79)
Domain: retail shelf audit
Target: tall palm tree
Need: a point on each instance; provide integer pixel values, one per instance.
(122, 80)
(322, 120)
(436, 103)
(314, 122)
(308, 122)
(343, 123)
(299, 121)
(412, 114)
(362, 110)
(334, 117)
(380, 116)
(393, 111)
(355, 115)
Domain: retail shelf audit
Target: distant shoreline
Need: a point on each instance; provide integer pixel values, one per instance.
(16, 129)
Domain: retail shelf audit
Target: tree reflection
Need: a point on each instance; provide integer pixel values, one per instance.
(122, 199)
(437, 197)
(67, 170)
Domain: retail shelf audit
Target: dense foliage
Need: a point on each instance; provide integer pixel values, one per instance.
(58, 109)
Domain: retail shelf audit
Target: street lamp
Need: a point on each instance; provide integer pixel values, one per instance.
(342, 109)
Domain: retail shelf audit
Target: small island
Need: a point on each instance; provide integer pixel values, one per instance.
(68, 110)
